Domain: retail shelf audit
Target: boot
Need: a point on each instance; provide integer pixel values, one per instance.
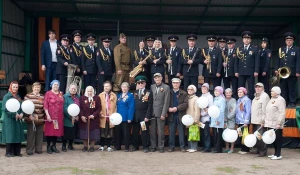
(53, 148)
(64, 149)
(49, 150)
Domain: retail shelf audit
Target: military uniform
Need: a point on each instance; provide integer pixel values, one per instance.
(264, 58)
(63, 56)
(229, 77)
(289, 57)
(76, 52)
(140, 55)
(105, 64)
(174, 54)
(190, 72)
(143, 100)
(122, 58)
(215, 56)
(247, 64)
(148, 66)
(88, 62)
(224, 51)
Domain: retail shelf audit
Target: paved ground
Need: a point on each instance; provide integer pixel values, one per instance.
(120, 162)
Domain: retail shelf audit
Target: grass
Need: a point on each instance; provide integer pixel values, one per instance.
(257, 167)
(228, 169)
(73, 170)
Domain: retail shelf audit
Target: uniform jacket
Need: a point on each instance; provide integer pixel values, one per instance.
(105, 64)
(175, 57)
(291, 59)
(125, 106)
(140, 55)
(182, 104)
(122, 57)
(185, 56)
(143, 105)
(249, 63)
(216, 62)
(159, 66)
(113, 108)
(76, 52)
(275, 112)
(265, 58)
(258, 107)
(161, 100)
(231, 63)
(89, 64)
(61, 59)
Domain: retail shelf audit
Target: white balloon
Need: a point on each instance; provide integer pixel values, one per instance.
(27, 107)
(12, 105)
(187, 120)
(214, 111)
(224, 134)
(269, 136)
(230, 135)
(115, 118)
(202, 102)
(73, 110)
(250, 140)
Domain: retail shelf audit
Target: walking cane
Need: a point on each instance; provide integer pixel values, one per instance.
(88, 133)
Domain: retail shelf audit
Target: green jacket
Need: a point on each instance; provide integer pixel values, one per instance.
(12, 130)
(67, 101)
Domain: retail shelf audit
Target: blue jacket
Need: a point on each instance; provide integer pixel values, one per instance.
(243, 117)
(125, 106)
(220, 102)
(46, 54)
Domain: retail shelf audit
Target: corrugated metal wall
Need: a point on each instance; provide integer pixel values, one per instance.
(12, 43)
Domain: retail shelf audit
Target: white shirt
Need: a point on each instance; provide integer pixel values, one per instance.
(53, 46)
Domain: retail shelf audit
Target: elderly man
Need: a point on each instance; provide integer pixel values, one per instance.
(258, 113)
(178, 107)
(161, 101)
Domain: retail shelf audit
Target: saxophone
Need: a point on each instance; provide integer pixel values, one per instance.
(139, 68)
(71, 79)
(208, 58)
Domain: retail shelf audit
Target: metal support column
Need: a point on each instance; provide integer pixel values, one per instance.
(27, 43)
(1, 18)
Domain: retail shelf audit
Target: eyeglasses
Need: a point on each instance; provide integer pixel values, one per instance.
(140, 83)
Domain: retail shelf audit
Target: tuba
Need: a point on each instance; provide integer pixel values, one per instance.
(71, 79)
(139, 68)
(283, 72)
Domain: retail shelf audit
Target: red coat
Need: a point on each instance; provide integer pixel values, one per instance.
(87, 109)
(54, 103)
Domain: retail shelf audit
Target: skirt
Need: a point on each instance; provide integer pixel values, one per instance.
(94, 134)
(69, 133)
(107, 132)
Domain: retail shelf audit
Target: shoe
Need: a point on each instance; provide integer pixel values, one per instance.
(19, 155)
(239, 152)
(206, 151)
(70, 147)
(254, 152)
(49, 150)
(29, 154)
(146, 150)
(291, 105)
(192, 151)
(39, 152)
(261, 155)
(133, 149)
(188, 150)
(230, 151)
(270, 156)
(161, 151)
(109, 149)
(64, 149)
(54, 149)
(9, 155)
(226, 151)
(101, 148)
(85, 149)
(126, 150)
(217, 152)
(183, 150)
(92, 149)
(153, 150)
(171, 150)
(243, 152)
(276, 158)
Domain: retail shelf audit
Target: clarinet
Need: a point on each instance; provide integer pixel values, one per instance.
(192, 60)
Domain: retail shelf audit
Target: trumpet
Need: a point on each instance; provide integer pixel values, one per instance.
(226, 62)
(208, 59)
(283, 72)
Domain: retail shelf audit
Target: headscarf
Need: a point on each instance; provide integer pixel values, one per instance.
(220, 90)
(14, 94)
(193, 87)
(276, 89)
(54, 81)
(243, 89)
(86, 94)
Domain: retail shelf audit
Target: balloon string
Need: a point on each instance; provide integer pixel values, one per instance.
(283, 125)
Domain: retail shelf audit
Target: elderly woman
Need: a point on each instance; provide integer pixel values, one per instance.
(125, 107)
(70, 97)
(108, 106)
(158, 60)
(90, 108)
(54, 109)
(243, 112)
(35, 122)
(229, 116)
(218, 123)
(12, 131)
(194, 111)
(275, 116)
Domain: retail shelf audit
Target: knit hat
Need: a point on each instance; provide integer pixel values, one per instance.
(276, 89)
(206, 85)
(243, 89)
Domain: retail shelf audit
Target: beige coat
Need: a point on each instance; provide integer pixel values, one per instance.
(113, 108)
(193, 109)
(275, 112)
(258, 107)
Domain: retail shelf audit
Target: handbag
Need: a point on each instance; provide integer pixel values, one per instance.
(245, 133)
(194, 133)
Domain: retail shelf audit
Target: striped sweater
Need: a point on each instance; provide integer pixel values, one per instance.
(38, 101)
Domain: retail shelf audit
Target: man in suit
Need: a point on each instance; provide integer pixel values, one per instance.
(76, 51)
(247, 64)
(49, 60)
(173, 59)
(144, 107)
(161, 100)
(105, 62)
(264, 68)
(212, 62)
(63, 60)
(190, 59)
(229, 79)
(178, 107)
(289, 56)
(88, 61)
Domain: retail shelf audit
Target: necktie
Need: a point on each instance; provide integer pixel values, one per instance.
(92, 48)
(108, 51)
(230, 51)
(140, 93)
(209, 50)
(287, 49)
(246, 48)
(191, 50)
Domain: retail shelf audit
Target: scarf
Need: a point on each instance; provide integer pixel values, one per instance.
(14, 94)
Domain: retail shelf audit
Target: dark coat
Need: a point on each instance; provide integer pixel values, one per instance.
(46, 54)
(143, 106)
(194, 71)
(175, 57)
(76, 52)
(140, 56)
(86, 111)
(182, 104)
(107, 64)
(61, 59)
(291, 60)
(159, 66)
(231, 63)
(216, 62)
(89, 64)
(249, 63)
(264, 58)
